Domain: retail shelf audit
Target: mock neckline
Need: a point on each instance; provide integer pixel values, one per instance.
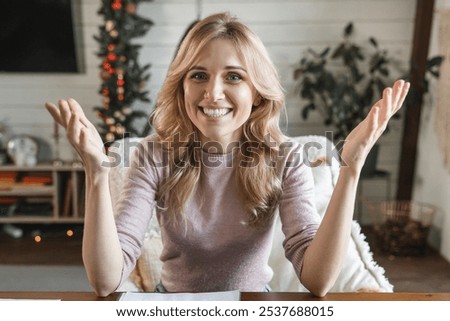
(217, 160)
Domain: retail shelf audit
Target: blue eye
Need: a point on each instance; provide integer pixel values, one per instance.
(234, 77)
(199, 76)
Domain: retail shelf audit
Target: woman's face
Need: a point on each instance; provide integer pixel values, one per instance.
(218, 93)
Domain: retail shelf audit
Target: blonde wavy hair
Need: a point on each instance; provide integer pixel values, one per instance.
(261, 133)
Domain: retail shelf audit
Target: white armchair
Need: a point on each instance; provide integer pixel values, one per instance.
(359, 273)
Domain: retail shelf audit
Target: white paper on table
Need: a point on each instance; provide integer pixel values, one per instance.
(204, 296)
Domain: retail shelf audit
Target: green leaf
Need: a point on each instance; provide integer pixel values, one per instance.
(325, 52)
(306, 109)
(384, 72)
(338, 51)
(435, 73)
(307, 93)
(434, 61)
(380, 85)
(298, 73)
(348, 30)
(138, 113)
(357, 52)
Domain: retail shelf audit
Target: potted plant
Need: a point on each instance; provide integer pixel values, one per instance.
(342, 83)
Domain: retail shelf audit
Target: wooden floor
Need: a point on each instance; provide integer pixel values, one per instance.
(54, 248)
(428, 273)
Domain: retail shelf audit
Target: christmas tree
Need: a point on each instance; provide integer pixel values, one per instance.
(123, 78)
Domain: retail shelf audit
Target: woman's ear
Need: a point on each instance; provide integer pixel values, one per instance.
(258, 100)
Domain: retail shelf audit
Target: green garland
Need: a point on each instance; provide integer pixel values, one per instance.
(123, 79)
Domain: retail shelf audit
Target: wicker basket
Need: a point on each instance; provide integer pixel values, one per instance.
(401, 227)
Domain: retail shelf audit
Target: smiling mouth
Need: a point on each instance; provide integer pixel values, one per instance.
(215, 112)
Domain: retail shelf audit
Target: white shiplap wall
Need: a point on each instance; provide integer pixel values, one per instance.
(287, 27)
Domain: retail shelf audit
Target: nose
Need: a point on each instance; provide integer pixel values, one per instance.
(214, 90)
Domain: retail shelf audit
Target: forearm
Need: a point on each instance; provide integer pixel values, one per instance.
(324, 257)
(102, 254)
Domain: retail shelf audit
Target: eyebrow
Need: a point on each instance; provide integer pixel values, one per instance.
(226, 67)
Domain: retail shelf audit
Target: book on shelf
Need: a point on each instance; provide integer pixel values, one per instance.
(34, 207)
(37, 178)
(68, 198)
(7, 206)
(8, 176)
(7, 179)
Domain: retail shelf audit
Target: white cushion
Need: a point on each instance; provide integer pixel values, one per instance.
(359, 271)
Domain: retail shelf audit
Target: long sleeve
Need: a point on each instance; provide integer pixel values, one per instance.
(298, 213)
(137, 201)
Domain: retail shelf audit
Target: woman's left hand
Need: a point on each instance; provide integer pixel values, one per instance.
(362, 138)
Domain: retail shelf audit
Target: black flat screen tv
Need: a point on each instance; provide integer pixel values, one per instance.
(37, 36)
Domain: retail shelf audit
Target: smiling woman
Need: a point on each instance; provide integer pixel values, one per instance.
(218, 94)
(217, 208)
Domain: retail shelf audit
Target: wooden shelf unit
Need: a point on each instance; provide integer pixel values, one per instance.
(60, 200)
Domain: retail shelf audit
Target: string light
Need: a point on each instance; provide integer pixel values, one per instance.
(38, 235)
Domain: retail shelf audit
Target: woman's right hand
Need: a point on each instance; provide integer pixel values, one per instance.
(81, 133)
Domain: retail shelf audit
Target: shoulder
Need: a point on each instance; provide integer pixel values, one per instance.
(292, 162)
(150, 150)
(290, 152)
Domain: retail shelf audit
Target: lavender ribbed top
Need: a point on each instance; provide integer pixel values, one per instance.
(214, 249)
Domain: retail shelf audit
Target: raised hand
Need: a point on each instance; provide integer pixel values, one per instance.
(361, 139)
(81, 133)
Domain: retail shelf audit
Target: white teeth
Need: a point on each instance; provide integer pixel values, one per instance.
(215, 112)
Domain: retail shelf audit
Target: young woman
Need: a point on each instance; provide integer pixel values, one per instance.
(217, 170)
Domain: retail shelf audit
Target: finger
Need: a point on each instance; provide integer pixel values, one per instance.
(403, 95)
(54, 112)
(76, 108)
(73, 129)
(386, 104)
(398, 89)
(65, 112)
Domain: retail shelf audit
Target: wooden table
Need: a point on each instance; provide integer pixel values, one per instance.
(250, 296)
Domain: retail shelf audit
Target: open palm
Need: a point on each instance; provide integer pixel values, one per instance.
(81, 133)
(362, 138)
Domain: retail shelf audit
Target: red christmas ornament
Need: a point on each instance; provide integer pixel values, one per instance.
(117, 5)
(106, 66)
(120, 97)
(105, 92)
(111, 47)
(120, 82)
(111, 57)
